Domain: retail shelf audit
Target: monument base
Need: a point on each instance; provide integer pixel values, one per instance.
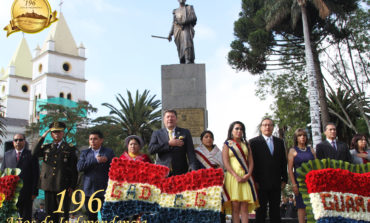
(184, 89)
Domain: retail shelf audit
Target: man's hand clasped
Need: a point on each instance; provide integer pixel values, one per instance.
(176, 142)
(101, 159)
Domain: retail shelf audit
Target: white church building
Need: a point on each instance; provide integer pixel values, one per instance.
(57, 69)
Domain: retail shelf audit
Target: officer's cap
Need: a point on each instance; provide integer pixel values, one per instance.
(57, 126)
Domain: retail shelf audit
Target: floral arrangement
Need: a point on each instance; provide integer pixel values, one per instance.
(136, 187)
(10, 185)
(335, 191)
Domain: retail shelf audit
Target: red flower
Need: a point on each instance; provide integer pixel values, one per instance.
(8, 185)
(338, 180)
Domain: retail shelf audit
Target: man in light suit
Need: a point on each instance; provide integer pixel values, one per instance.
(94, 162)
(270, 171)
(331, 148)
(173, 146)
(21, 158)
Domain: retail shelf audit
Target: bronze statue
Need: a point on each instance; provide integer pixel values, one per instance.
(184, 20)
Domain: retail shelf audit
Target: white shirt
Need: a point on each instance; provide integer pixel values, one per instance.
(331, 143)
(96, 151)
(58, 144)
(20, 152)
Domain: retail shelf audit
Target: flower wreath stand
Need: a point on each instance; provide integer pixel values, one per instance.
(10, 186)
(335, 191)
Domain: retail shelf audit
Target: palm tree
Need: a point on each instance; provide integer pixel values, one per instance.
(280, 10)
(311, 72)
(346, 114)
(136, 117)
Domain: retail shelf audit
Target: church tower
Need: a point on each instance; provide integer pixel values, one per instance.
(58, 68)
(15, 85)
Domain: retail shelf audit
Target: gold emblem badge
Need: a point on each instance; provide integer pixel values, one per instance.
(30, 16)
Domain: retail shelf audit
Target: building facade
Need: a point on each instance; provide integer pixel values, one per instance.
(57, 69)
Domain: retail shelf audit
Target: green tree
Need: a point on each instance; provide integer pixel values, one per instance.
(75, 118)
(346, 114)
(348, 65)
(290, 109)
(139, 116)
(113, 137)
(268, 30)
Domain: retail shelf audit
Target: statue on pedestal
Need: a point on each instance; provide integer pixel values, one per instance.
(184, 20)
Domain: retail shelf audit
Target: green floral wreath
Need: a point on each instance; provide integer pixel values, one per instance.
(323, 164)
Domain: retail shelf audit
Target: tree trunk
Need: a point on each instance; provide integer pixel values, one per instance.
(325, 118)
(312, 82)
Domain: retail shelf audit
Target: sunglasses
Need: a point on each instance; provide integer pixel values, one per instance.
(18, 140)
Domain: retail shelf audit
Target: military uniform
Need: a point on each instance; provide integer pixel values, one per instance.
(58, 173)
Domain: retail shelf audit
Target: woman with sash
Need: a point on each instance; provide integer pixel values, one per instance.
(207, 153)
(134, 144)
(239, 186)
(209, 156)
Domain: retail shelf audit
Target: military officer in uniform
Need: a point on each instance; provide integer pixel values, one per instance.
(58, 171)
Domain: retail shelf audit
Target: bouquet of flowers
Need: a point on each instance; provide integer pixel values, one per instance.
(335, 191)
(10, 186)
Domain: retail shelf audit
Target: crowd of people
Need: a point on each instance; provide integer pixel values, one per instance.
(256, 171)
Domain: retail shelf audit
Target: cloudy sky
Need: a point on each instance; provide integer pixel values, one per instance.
(123, 56)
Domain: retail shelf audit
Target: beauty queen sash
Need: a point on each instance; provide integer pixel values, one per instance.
(242, 159)
(204, 160)
(208, 164)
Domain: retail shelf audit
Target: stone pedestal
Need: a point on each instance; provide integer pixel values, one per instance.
(184, 89)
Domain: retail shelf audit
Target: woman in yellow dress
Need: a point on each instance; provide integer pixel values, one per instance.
(240, 193)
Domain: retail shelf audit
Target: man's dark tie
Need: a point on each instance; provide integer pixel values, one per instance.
(333, 144)
(18, 155)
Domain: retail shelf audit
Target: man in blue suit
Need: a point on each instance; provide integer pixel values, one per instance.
(173, 146)
(94, 162)
(20, 157)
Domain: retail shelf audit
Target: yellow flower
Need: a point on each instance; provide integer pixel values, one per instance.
(2, 198)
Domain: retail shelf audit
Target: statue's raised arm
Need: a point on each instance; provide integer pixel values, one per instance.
(184, 20)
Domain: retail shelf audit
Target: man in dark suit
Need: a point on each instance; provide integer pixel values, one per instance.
(331, 148)
(173, 146)
(21, 158)
(58, 171)
(94, 162)
(270, 171)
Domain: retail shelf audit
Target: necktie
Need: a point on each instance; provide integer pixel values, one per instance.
(270, 145)
(18, 155)
(333, 144)
(170, 134)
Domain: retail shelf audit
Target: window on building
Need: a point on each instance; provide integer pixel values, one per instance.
(25, 88)
(61, 95)
(69, 96)
(66, 67)
(40, 68)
